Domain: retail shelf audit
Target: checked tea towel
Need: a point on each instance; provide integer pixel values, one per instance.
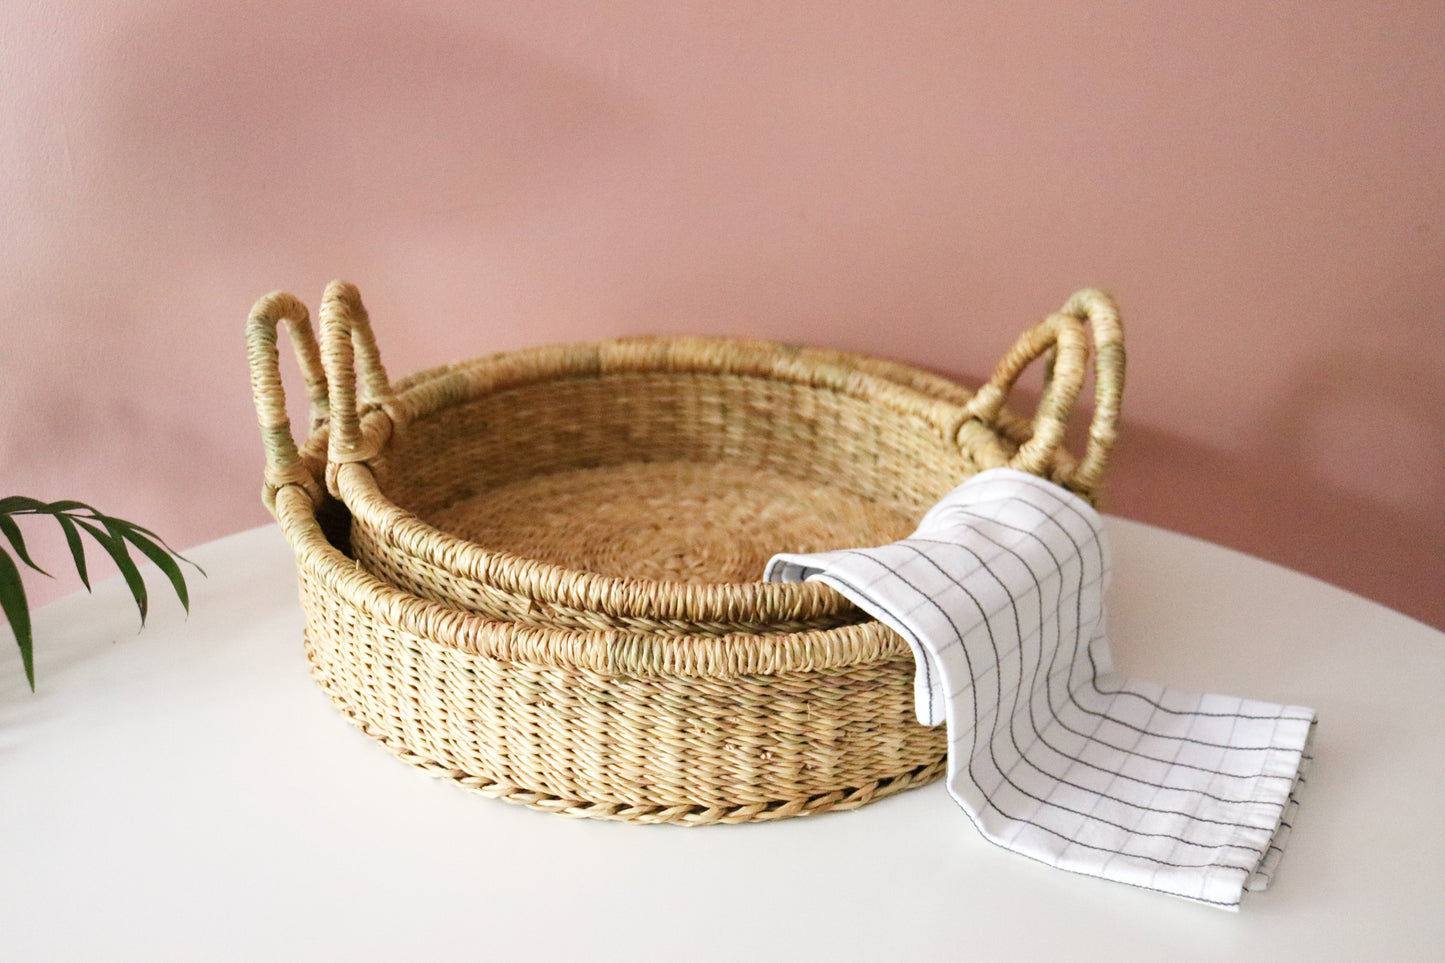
(1051, 753)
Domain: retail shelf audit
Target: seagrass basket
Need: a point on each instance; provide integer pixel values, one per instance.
(640, 727)
(642, 483)
(660, 717)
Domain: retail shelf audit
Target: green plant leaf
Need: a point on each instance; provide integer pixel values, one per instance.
(152, 536)
(113, 534)
(17, 542)
(56, 508)
(17, 613)
(77, 548)
(11, 504)
(160, 556)
(115, 547)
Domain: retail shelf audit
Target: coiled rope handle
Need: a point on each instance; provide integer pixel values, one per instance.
(283, 460)
(1063, 332)
(349, 357)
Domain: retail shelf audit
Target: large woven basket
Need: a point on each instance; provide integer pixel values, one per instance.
(635, 717)
(641, 484)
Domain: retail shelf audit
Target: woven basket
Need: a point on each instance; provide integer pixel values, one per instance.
(612, 725)
(641, 484)
(640, 717)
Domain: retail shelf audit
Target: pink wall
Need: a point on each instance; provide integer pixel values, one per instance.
(1260, 185)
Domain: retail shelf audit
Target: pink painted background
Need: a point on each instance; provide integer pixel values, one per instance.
(1261, 185)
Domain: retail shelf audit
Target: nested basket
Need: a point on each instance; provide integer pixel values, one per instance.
(641, 727)
(641, 484)
(729, 718)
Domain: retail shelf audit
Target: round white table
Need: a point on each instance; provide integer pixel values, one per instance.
(186, 792)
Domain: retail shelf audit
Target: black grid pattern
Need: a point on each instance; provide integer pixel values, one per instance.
(1051, 753)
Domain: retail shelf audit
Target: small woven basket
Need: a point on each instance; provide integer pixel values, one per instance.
(613, 725)
(700, 709)
(641, 484)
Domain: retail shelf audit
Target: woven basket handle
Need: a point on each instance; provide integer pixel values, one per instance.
(1063, 333)
(349, 355)
(283, 461)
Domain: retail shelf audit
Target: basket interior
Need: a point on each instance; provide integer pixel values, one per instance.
(689, 477)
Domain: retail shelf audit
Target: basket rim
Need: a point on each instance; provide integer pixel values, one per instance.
(936, 404)
(609, 651)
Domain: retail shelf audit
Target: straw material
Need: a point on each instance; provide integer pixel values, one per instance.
(540, 583)
(610, 725)
(642, 483)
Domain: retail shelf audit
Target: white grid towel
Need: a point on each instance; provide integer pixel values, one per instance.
(1051, 754)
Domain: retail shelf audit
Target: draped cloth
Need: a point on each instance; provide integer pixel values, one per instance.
(1053, 754)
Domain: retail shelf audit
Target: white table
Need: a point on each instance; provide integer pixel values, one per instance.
(186, 792)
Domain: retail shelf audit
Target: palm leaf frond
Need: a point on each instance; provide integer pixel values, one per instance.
(115, 535)
(17, 613)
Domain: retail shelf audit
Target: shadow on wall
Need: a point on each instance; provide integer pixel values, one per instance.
(1292, 500)
(1392, 557)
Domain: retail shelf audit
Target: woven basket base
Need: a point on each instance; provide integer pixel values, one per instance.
(670, 521)
(840, 800)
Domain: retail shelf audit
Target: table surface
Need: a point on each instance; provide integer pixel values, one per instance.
(186, 792)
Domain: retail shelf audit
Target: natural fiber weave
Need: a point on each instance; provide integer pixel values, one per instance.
(644, 728)
(642, 483)
(718, 702)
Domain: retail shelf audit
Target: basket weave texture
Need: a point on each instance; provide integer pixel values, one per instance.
(643, 483)
(535, 573)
